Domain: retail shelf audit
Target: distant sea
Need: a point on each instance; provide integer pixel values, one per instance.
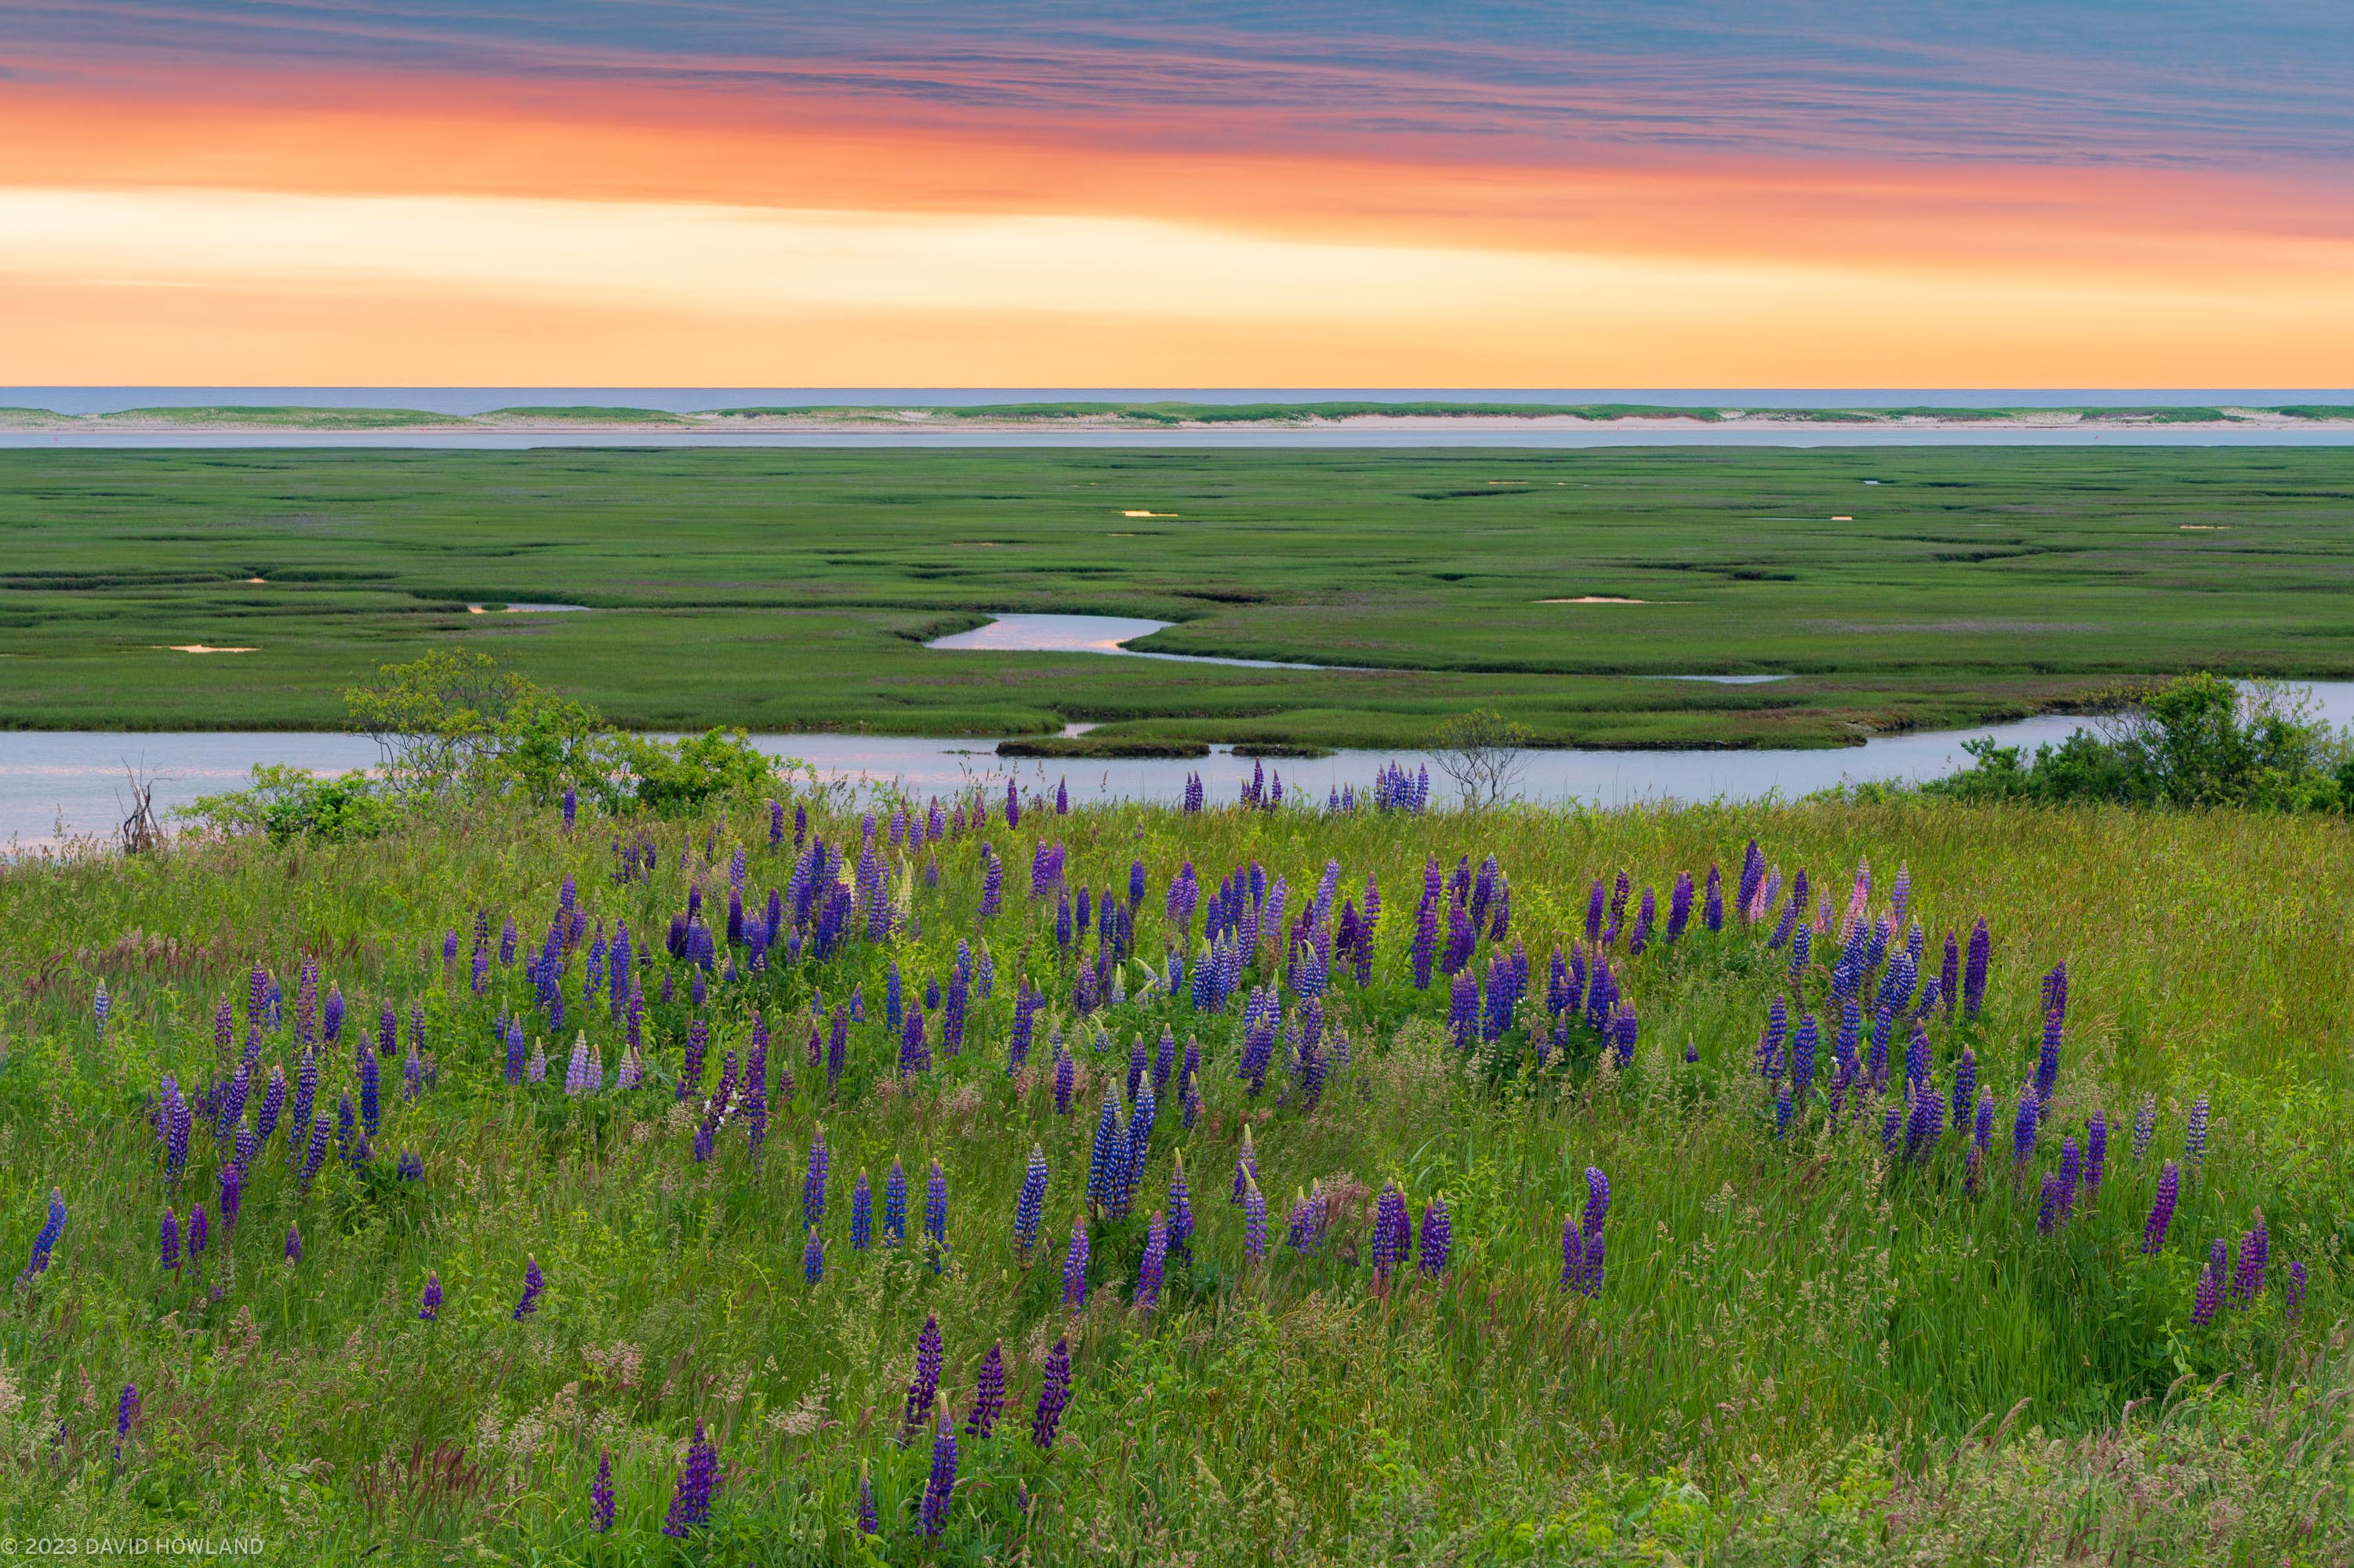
(470, 400)
(691, 399)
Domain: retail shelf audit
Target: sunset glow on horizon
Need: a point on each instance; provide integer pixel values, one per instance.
(347, 193)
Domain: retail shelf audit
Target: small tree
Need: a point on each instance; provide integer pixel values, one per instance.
(454, 716)
(1484, 753)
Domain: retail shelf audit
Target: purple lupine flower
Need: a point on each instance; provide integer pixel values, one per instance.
(126, 1414)
(1181, 1213)
(199, 1232)
(2256, 1250)
(371, 1103)
(174, 1120)
(1054, 1395)
(293, 1243)
(1974, 977)
(1597, 1199)
(232, 1194)
(1782, 1110)
(1573, 1254)
(925, 1386)
(690, 1498)
(2194, 1134)
(2051, 1205)
(861, 1214)
(1304, 1229)
(1966, 1086)
(1029, 1206)
(1253, 1221)
(2161, 1212)
(1149, 1267)
(1438, 1238)
(171, 1242)
(895, 1206)
(813, 1258)
(869, 1523)
(988, 1395)
(533, 1284)
(100, 1005)
(1392, 1242)
(47, 1240)
(2023, 1126)
(601, 1490)
(1074, 1266)
(2209, 1293)
(2097, 1153)
(935, 1215)
(2144, 1127)
(316, 1155)
(429, 1309)
(813, 1183)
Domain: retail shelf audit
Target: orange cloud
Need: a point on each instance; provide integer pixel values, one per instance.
(361, 229)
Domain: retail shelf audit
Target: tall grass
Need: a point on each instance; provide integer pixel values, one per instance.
(1805, 1351)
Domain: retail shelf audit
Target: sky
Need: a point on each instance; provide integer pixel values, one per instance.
(1474, 193)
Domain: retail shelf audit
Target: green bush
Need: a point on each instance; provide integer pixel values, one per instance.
(290, 805)
(2198, 741)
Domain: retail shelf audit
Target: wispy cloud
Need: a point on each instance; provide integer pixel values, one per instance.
(1941, 79)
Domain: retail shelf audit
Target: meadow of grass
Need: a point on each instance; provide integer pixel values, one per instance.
(1805, 1348)
(793, 589)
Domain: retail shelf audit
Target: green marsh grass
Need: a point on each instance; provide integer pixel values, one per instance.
(1804, 1352)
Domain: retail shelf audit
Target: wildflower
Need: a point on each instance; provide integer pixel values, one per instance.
(2248, 1279)
(47, 1240)
(2161, 1213)
(601, 1490)
(232, 1194)
(988, 1395)
(690, 1499)
(1181, 1213)
(429, 1309)
(1253, 1221)
(171, 1242)
(2023, 1126)
(2209, 1293)
(2096, 1152)
(861, 1214)
(1054, 1395)
(1573, 1254)
(813, 1183)
(2144, 1127)
(1149, 1267)
(1074, 1267)
(1392, 1232)
(925, 1386)
(126, 1414)
(1029, 1206)
(895, 1206)
(869, 1522)
(2051, 1205)
(293, 1243)
(533, 1284)
(2194, 1135)
(1438, 1238)
(199, 1232)
(935, 1215)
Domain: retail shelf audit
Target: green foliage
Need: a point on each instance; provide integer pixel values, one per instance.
(2197, 741)
(290, 805)
(454, 718)
(684, 777)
